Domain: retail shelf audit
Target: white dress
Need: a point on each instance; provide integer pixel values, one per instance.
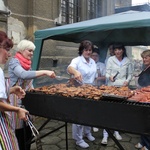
(8, 140)
(88, 71)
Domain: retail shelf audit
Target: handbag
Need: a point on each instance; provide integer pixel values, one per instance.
(36, 135)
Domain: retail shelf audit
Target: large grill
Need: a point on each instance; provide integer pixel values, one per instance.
(111, 113)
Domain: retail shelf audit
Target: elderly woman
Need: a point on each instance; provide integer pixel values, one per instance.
(119, 72)
(83, 68)
(20, 73)
(8, 140)
(143, 81)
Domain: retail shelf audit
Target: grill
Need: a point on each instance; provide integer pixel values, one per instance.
(109, 113)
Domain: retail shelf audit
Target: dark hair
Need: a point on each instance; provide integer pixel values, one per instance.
(120, 46)
(84, 45)
(5, 41)
(95, 50)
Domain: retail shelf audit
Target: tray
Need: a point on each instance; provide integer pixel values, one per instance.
(114, 97)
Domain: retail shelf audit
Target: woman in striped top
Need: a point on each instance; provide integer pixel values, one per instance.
(8, 140)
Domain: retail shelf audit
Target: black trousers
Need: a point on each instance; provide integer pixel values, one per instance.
(23, 135)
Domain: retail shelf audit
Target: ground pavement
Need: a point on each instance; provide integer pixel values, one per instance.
(56, 140)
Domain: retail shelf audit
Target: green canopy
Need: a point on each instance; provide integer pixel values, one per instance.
(130, 28)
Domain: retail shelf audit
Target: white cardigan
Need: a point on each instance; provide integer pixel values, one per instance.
(125, 69)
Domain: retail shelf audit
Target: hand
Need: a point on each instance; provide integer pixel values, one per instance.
(111, 78)
(51, 74)
(78, 76)
(125, 83)
(18, 91)
(22, 114)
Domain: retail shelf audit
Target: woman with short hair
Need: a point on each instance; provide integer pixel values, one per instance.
(83, 68)
(20, 73)
(143, 81)
(8, 140)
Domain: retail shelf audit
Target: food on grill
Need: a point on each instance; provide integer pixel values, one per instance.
(117, 91)
(96, 93)
(84, 91)
(141, 95)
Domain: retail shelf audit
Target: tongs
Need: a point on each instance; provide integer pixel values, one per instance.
(62, 77)
(80, 82)
(114, 77)
(35, 132)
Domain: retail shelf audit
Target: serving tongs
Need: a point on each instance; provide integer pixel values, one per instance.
(114, 77)
(35, 132)
(78, 81)
(62, 77)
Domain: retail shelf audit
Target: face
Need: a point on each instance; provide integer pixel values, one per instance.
(118, 53)
(95, 56)
(27, 53)
(87, 53)
(4, 55)
(146, 60)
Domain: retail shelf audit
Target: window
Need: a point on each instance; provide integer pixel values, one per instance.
(70, 11)
(94, 9)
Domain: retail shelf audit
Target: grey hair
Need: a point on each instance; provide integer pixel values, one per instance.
(25, 44)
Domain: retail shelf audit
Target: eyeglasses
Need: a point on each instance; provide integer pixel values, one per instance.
(6, 48)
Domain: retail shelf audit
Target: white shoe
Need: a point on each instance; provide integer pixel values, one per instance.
(83, 144)
(138, 145)
(90, 137)
(144, 148)
(104, 141)
(117, 136)
(95, 129)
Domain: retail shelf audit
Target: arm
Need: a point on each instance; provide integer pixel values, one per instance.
(18, 91)
(16, 68)
(73, 71)
(20, 111)
(129, 72)
(108, 70)
(21, 73)
(45, 73)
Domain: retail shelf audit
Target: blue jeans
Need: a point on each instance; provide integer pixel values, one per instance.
(145, 141)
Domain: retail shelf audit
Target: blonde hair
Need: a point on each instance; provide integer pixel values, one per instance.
(145, 53)
(25, 44)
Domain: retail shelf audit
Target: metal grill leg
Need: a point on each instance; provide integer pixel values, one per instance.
(66, 132)
(114, 139)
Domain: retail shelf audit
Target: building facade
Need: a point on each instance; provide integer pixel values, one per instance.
(21, 18)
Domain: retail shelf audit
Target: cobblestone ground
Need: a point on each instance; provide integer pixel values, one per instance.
(56, 140)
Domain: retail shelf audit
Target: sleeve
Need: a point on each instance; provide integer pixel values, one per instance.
(19, 71)
(108, 68)
(130, 70)
(74, 63)
(3, 94)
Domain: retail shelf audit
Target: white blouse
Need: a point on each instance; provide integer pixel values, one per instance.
(87, 70)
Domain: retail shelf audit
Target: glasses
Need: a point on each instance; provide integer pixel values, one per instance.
(6, 48)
